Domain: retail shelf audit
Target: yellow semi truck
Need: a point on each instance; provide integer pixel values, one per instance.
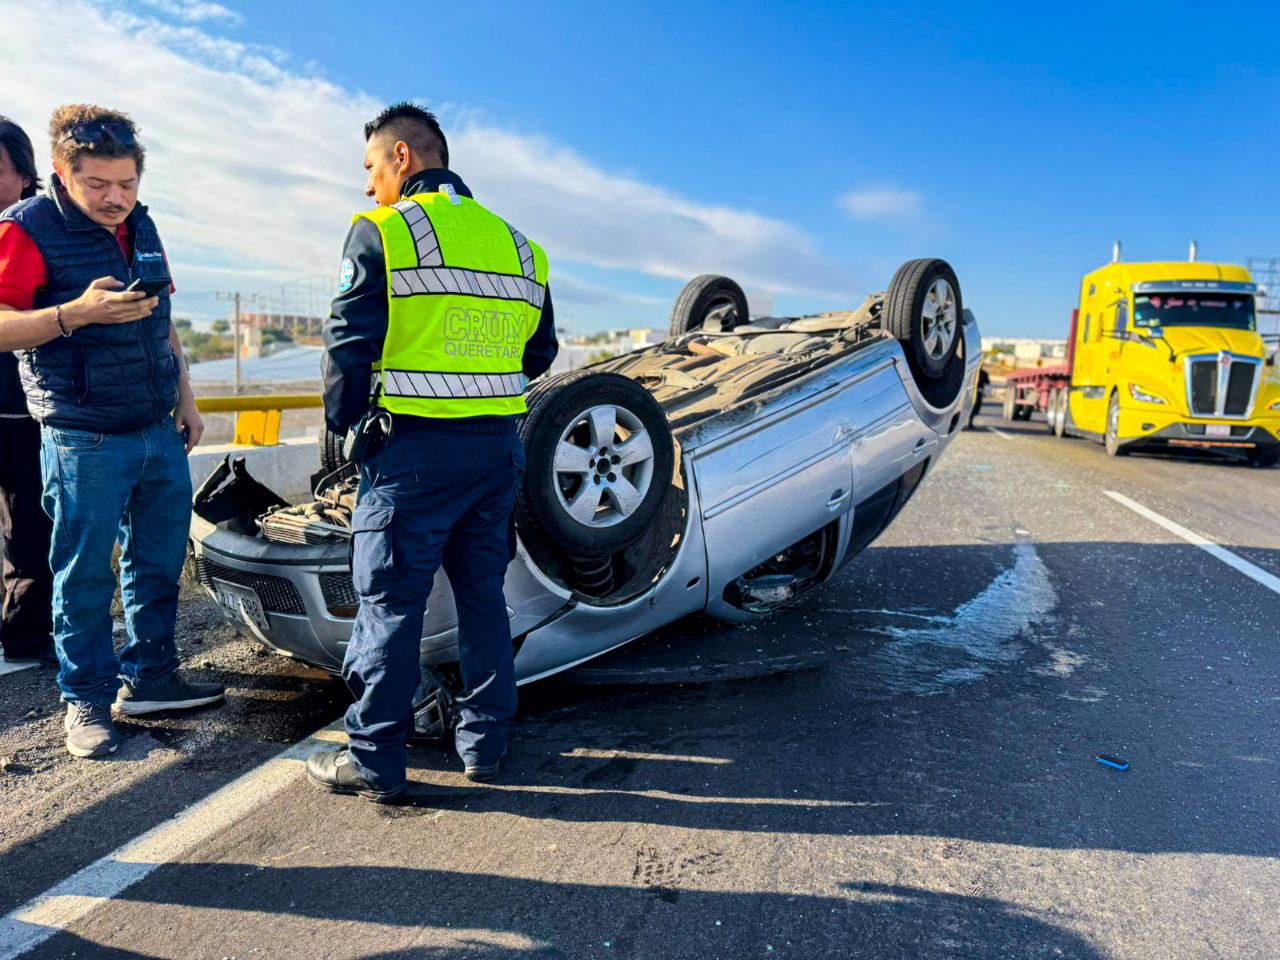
(1161, 355)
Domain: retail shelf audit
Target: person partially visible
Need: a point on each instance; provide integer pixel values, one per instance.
(102, 370)
(984, 380)
(26, 584)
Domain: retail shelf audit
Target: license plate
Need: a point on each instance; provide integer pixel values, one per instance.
(1218, 430)
(241, 603)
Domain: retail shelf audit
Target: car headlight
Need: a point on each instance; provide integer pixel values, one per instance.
(1142, 396)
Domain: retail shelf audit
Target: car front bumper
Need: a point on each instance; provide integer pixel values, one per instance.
(308, 602)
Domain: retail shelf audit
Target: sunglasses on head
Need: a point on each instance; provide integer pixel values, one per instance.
(93, 133)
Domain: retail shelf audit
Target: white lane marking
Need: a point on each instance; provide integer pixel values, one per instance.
(589, 753)
(1000, 433)
(59, 907)
(1241, 565)
(7, 667)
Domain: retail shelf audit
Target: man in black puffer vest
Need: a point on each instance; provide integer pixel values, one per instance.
(26, 585)
(102, 371)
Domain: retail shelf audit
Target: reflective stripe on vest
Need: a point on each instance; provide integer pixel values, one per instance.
(411, 383)
(465, 294)
(424, 235)
(495, 286)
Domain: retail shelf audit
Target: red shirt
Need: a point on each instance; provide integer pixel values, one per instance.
(23, 270)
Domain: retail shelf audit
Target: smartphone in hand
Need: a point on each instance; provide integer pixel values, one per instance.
(152, 286)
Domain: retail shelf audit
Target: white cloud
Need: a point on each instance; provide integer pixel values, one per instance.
(884, 203)
(255, 168)
(194, 11)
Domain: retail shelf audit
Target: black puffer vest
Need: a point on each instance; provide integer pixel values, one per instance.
(108, 378)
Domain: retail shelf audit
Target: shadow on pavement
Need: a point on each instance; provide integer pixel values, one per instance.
(477, 915)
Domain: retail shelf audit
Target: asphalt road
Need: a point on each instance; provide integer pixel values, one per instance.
(902, 765)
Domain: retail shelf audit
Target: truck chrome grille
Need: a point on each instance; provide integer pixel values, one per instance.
(1203, 375)
(277, 594)
(1221, 384)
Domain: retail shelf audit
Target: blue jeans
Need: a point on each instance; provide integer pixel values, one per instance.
(431, 497)
(100, 488)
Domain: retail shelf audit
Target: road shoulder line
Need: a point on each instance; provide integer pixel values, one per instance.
(53, 911)
(1237, 563)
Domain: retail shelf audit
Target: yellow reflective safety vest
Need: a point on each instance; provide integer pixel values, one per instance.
(465, 293)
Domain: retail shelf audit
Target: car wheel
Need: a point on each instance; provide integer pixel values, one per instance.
(923, 310)
(1064, 405)
(714, 303)
(599, 460)
(1112, 436)
(331, 458)
(1264, 458)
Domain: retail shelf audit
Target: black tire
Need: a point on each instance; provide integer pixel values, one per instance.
(560, 404)
(1111, 439)
(331, 458)
(1264, 458)
(903, 315)
(709, 302)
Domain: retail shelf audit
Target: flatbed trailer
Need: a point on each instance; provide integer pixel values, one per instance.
(1043, 389)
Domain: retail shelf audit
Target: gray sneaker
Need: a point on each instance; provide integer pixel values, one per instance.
(90, 732)
(175, 693)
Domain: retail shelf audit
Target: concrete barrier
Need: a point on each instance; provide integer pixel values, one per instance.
(285, 467)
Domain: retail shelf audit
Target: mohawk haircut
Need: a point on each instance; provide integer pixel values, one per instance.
(415, 125)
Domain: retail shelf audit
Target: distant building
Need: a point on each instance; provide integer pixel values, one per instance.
(1024, 351)
(296, 325)
(581, 351)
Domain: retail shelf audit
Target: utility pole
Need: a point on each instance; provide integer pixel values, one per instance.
(235, 332)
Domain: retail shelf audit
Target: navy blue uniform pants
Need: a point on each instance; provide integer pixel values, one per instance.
(429, 497)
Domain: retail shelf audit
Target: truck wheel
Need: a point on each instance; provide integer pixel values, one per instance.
(922, 310)
(1112, 437)
(1051, 411)
(1064, 405)
(712, 302)
(1264, 458)
(1010, 411)
(599, 462)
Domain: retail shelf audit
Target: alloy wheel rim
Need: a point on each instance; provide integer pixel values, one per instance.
(939, 318)
(603, 466)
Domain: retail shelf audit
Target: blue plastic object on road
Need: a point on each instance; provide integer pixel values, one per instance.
(1114, 763)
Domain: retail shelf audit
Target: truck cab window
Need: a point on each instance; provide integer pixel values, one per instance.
(1122, 317)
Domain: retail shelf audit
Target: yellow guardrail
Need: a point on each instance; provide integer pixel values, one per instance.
(258, 415)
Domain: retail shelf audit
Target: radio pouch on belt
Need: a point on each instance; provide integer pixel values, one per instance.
(370, 430)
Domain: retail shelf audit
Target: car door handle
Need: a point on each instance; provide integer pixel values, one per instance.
(838, 499)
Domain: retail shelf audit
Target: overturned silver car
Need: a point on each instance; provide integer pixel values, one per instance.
(727, 469)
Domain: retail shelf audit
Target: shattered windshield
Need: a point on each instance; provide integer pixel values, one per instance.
(1234, 310)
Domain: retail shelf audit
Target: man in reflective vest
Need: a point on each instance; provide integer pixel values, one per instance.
(443, 313)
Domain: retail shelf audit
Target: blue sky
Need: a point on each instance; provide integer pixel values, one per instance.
(806, 149)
